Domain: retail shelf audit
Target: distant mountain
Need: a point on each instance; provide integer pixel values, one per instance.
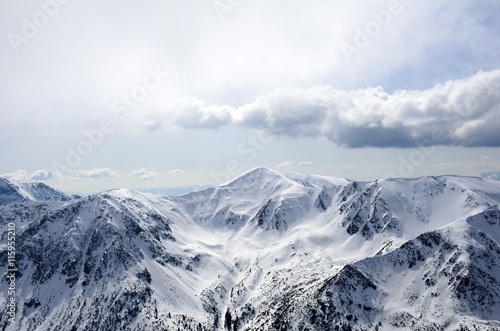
(267, 251)
(38, 191)
(491, 175)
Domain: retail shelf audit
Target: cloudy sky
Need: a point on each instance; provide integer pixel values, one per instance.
(102, 94)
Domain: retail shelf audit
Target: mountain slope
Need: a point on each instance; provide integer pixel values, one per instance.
(444, 279)
(267, 251)
(38, 191)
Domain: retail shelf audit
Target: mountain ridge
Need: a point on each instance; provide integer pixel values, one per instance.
(34, 191)
(264, 251)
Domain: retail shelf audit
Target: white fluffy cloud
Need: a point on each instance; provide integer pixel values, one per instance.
(176, 172)
(44, 174)
(97, 173)
(288, 164)
(21, 176)
(18, 175)
(462, 112)
(143, 174)
(285, 164)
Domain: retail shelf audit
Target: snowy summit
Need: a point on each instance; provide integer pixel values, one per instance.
(266, 251)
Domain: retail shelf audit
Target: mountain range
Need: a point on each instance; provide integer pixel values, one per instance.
(265, 251)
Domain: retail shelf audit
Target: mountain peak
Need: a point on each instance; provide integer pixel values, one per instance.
(36, 191)
(10, 192)
(256, 175)
(260, 171)
(265, 251)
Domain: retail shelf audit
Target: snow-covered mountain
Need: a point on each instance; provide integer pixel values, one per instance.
(266, 251)
(491, 175)
(37, 191)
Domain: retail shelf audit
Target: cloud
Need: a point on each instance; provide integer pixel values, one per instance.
(143, 174)
(18, 175)
(43, 174)
(97, 173)
(21, 176)
(305, 163)
(190, 112)
(288, 164)
(176, 172)
(464, 112)
(284, 164)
